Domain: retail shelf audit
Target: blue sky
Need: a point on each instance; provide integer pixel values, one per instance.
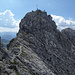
(11, 11)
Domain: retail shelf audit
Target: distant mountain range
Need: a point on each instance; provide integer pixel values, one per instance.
(4, 42)
(6, 37)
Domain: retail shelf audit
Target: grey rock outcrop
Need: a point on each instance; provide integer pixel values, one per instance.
(70, 34)
(4, 60)
(3, 52)
(40, 48)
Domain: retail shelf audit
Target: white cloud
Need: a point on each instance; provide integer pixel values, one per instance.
(62, 23)
(5, 29)
(7, 22)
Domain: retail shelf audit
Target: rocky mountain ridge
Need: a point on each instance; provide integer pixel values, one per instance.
(40, 48)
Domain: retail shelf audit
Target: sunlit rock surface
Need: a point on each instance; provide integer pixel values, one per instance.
(39, 48)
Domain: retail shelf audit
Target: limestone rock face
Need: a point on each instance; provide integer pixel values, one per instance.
(36, 21)
(70, 34)
(4, 60)
(41, 49)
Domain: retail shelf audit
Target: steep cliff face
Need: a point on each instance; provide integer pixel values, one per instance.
(41, 49)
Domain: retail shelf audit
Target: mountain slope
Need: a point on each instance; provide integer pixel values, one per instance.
(41, 49)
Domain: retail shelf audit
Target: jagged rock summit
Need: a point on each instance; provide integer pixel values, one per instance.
(40, 48)
(36, 21)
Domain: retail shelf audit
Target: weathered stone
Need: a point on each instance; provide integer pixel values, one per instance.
(70, 34)
(41, 49)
